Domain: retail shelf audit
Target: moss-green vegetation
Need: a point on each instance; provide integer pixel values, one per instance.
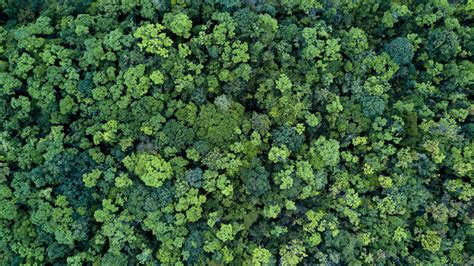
(240, 132)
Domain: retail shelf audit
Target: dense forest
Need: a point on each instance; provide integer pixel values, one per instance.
(236, 132)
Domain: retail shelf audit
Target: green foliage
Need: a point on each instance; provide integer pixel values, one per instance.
(442, 44)
(400, 50)
(292, 253)
(151, 169)
(153, 40)
(255, 179)
(431, 241)
(179, 24)
(287, 136)
(261, 256)
(325, 152)
(229, 132)
(225, 233)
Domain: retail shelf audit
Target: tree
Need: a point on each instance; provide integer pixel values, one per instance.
(400, 50)
(153, 40)
(151, 169)
(292, 132)
(179, 24)
(261, 256)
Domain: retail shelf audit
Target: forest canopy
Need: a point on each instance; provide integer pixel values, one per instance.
(236, 132)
